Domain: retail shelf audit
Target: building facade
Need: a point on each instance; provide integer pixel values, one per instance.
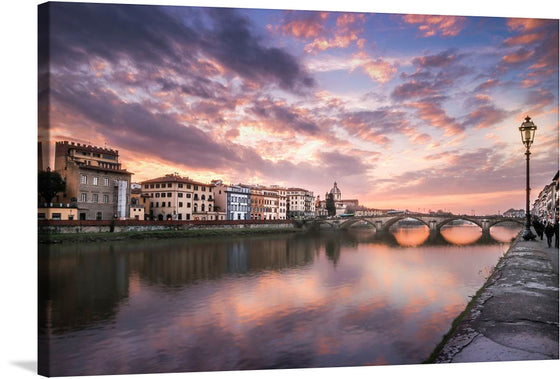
(95, 181)
(342, 206)
(173, 197)
(238, 202)
(299, 203)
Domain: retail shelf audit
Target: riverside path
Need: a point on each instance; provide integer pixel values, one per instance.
(515, 316)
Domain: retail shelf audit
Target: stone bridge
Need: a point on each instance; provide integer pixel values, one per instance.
(434, 222)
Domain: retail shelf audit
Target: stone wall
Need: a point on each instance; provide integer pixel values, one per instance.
(117, 226)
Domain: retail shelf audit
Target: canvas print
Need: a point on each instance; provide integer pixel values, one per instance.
(225, 189)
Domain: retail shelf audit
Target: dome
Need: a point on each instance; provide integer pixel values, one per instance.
(337, 195)
(335, 189)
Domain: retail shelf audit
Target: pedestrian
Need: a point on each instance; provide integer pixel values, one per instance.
(549, 231)
(556, 232)
(539, 227)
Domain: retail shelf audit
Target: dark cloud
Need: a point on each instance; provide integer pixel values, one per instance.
(376, 125)
(282, 117)
(441, 60)
(342, 165)
(433, 75)
(150, 37)
(133, 127)
(233, 44)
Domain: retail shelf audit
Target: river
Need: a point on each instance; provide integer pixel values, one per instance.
(278, 301)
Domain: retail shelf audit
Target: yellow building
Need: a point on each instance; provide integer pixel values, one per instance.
(57, 211)
(173, 197)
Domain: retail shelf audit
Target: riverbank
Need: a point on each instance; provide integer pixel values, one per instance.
(158, 234)
(514, 316)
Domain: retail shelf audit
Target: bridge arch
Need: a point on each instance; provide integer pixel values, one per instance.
(499, 221)
(348, 223)
(396, 219)
(462, 218)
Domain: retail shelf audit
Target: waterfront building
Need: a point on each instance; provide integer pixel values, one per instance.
(282, 199)
(57, 211)
(517, 213)
(238, 202)
(139, 203)
(271, 204)
(300, 203)
(257, 203)
(342, 206)
(546, 204)
(173, 197)
(95, 181)
(362, 211)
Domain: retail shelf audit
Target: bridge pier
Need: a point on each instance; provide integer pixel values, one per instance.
(433, 226)
(485, 226)
(378, 226)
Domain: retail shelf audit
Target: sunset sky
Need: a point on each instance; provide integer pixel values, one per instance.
(401, 110)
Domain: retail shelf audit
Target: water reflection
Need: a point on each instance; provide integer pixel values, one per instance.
(461, 234)
(505, 232)
(313, 300)
(412, 235)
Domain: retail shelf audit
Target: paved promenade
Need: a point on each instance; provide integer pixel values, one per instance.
(516, 315)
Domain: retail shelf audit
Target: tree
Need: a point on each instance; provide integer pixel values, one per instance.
(331, 208)
(50, 183)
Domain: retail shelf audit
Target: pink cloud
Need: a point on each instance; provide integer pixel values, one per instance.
(519, 56)
(446, 26)
(377, 69)
(526, 24)
(435, 116)
(310, 26)
(348, 29)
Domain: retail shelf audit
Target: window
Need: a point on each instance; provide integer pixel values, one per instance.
(95, 198)
(106, 199)
(163, 204)
(188, 186)
(83, 197)
(41, 216)
(180, 185)
(151, 204)
(180, 216)
(95, 180)
(188, 195)
(168, 185)
(180, 194)
(169, 203)
(168, 194)
(106, 182)
(145, 186)
(157, 185)
(188, 205)
(180, 204)
(99, 216)
(157, 194)
(163, 194)
(151, 186)
(70, 217)
(56, 216)
(83, 179)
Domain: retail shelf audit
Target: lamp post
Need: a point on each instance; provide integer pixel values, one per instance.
(527, 130)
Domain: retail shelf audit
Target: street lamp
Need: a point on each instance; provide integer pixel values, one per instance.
(527, 130)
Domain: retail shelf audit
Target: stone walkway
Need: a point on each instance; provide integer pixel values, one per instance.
(516, 315)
